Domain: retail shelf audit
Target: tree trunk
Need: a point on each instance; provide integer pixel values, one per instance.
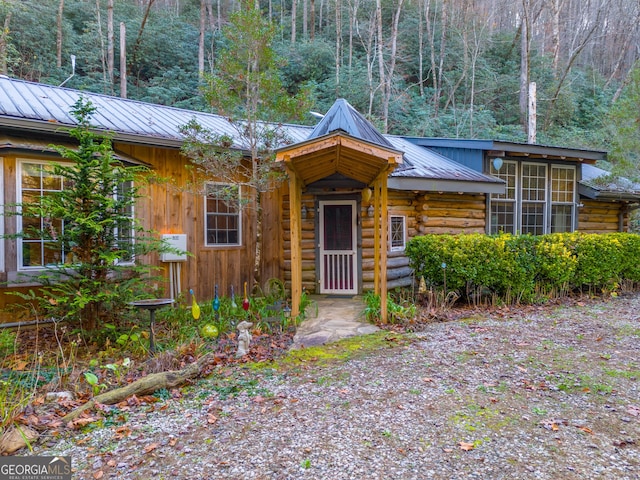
(294, 13)
(380, 44)
(110, 45)
(312, 19)
(4, 47)
(123, 60)
(201, 32)
(524, 61)
(103, 58)
(338, 44)
(145, 386)
(138, 42)
(59, 34)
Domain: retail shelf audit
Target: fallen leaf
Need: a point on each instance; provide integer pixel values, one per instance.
(466, 446)
(111, 463)
(427, 380)
(633, 410)
(99, 474)
(151, 447)
(522, 369)
(586, 430)
(554, 427)
(211, 419)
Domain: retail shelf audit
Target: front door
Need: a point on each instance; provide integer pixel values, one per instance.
(338, 247)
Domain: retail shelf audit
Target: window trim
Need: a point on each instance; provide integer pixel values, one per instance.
(132, 261)
(404, 233)
(574, 194)
(20, 267)
(206, 218)
(519, 201)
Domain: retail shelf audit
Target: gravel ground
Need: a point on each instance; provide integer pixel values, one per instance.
(528, 394)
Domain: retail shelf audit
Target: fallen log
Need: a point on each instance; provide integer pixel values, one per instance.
(144, 386)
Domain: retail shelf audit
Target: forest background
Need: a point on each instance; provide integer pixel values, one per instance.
(445, 68)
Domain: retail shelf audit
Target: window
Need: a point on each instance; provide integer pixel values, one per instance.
(503, 205)
(562, 199)
(222, 214)
(539, 198)
(397, 232)
(38, 247)
(125, 232)
(534, 197)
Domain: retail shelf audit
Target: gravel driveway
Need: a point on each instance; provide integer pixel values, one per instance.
(527, 394)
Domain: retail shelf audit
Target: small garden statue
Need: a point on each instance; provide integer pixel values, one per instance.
(244, 338)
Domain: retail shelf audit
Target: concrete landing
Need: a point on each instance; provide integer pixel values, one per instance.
(337, 318)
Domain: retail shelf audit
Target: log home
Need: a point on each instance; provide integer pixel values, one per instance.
(339, 225)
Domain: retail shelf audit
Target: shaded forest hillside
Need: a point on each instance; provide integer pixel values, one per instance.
(452, 68)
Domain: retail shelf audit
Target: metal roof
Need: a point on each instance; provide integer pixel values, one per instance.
(424, 169)
(43, 107)
(514, 148)
(599, 183)
(342, 116)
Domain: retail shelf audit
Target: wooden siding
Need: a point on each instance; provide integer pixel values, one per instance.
(451, 213)
(602, 217)
(164, 208)
(424, 213)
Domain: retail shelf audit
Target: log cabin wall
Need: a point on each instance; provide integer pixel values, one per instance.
(597, 216)
(451, 213)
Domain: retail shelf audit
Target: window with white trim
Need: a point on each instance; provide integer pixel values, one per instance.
(563, 186)
(534, 198)
(222, 215)
(539, 198)
(37, 247)
(503, 205)
(125, 232)
(39, 244)
(397, 232)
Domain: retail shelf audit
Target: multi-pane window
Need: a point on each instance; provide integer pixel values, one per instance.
(563, 181)
(503, 205)
(40, 243)
(125, 233)
(222, 214)
(397, 232)
(534, 197)
(539, 198)
(38, 246)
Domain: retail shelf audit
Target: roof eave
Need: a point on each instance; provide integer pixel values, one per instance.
(439, 185)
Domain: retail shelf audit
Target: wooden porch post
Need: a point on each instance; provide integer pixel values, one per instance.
(295, 205)
(380, 227)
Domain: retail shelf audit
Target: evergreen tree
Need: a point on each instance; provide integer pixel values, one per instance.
(88, 224)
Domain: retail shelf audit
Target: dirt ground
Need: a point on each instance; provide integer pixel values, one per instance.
(538, 392)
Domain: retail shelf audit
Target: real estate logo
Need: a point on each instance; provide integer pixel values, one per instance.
(35, 468)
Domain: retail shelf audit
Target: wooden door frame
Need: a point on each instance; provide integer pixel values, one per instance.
(337, 200)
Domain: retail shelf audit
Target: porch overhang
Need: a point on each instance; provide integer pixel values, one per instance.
(339, 153)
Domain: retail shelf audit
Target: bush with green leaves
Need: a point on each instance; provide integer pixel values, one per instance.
(526, 268)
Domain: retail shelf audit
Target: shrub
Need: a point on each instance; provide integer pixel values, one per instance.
(526, 268)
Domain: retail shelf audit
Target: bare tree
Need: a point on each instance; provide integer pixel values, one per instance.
(59, 34)
(4, 45)
(201, 32)
(110, 45)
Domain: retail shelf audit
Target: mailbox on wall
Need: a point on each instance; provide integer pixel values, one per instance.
(177, 241)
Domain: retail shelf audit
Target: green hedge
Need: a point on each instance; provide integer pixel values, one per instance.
(526, 268)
